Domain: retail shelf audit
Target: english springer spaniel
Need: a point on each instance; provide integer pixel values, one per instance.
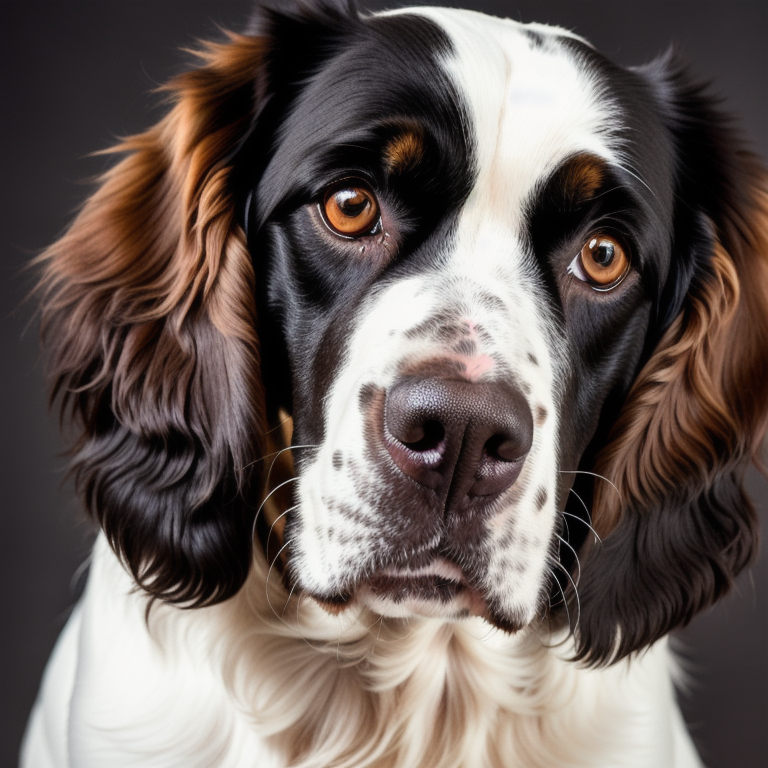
(414, 362)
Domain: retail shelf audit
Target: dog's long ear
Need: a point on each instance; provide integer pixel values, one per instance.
(680, 527)
(148, 321)
(149, 317)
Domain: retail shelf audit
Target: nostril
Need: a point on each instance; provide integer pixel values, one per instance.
(419, 451)
(503, 448)
(425, 437)
(499, 466)
(414, 437)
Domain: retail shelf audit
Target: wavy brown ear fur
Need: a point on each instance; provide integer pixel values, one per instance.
(680, 527)
(148, 321)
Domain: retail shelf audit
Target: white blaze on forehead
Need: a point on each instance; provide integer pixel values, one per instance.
(532, 102)
(531, 106)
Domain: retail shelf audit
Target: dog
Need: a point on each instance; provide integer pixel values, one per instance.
(413, 363)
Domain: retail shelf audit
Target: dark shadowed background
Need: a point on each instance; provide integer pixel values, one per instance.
(77, 74)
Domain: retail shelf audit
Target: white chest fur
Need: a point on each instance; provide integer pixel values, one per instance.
(241, 685)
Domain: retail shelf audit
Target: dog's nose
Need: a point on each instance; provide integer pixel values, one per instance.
(458, 437)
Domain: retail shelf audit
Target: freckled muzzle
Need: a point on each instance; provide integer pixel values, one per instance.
(461, 439)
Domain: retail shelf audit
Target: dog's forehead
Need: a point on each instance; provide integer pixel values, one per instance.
(534, 99)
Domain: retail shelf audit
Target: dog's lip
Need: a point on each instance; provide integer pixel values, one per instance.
(439, 588)
(439, 568)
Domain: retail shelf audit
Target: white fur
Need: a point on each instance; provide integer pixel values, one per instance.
(236, 684)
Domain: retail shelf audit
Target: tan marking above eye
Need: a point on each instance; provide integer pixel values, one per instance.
(350, 209)
(582, 176)
(603, 261)
(404, 151)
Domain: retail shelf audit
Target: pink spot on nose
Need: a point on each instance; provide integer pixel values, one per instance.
(475, 367)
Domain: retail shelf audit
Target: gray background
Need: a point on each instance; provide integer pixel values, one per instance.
(75, 75)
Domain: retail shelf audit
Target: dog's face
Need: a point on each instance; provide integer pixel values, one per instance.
(486, 266)
(462, 247)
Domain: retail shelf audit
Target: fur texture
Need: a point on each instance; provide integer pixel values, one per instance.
(414, 362)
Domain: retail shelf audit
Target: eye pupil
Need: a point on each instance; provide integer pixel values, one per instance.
(351, 202)
(351, 210)
(603, 252)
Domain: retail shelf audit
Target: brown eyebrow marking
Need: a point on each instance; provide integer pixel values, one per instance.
(582, 176)
(404, 151)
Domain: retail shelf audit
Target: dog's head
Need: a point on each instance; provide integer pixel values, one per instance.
(514, 297)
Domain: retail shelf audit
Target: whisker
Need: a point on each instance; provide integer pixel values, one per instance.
(378, 633)
(279, 426)
(275, 454)
(356, 146)
(338, 644)
(597, 536)
(583, 504)
(276, 520)
(266, 499)
(562, 598)
(269, 574)
(635, 175)
(575, 592)
(279, 454)
(372, 648)
(578, 564)
(594, 474)
(584, 522)
(298, 623)
(588, 521)
(564, 601)
(288, 600)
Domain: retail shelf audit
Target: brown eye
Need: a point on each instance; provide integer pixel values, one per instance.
(351, 210)
(603, 262)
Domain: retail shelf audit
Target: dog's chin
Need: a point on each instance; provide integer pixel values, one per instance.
(438, 590)
(419, 598)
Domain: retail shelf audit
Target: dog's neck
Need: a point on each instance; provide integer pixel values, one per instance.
(421, 692)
